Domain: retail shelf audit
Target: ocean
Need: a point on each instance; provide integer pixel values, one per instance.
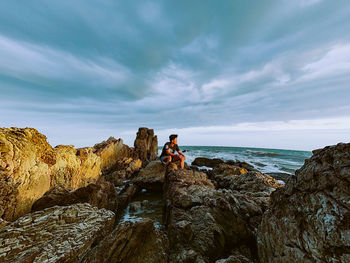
(265, 160)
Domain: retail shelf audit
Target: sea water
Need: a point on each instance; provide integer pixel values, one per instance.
(265, 160)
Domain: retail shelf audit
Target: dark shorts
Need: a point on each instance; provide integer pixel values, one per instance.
(162, 158)
(173, 159)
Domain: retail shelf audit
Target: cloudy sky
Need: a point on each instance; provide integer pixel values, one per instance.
(263, 73)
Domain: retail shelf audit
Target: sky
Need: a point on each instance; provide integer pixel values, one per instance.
(257, 73)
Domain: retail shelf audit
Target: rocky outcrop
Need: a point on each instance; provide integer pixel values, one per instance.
(111, 151)
(256, 185)
(146, 145)
(131, 242)
(151, 177)
(203, 161)
(56, 234)
(241, 164)
(124, 169)
(29, 167)
(100, 195)
(309, 220)
(204, 223)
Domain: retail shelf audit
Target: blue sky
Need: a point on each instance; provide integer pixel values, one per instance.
(258, 73)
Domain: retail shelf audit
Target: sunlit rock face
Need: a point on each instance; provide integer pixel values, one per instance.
(309, 220)
(146, 145)
(29, 166)
(56, 234)
(110, 152)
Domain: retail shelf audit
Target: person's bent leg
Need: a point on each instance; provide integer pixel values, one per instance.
(182, 164)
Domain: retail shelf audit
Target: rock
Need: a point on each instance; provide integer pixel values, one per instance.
(3, 223)
(131, 242)
(111, 151)
(205, 224)
(309, 219)
(235, 259)
(124, 168)
(244, 165)
(56, 234)
(29, 167)
(138, 205)
(101, 195)
(146, 145)
(203, 161)
(280, 176)
(151, 177)
(75, 168)
(124, 198)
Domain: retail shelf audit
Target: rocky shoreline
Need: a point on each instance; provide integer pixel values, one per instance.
(115, 203)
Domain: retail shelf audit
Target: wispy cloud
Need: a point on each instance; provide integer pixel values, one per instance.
(118, 65)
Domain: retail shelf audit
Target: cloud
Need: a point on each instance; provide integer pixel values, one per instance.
(124, 64)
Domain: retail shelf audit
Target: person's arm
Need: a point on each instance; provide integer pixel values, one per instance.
(169, 153)
(179, 151)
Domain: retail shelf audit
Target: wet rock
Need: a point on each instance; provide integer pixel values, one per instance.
(280, 176)
(204, 223)
(29, 167)
(309, 219)
(139, 205)
(131, 242)
(203, 161)
(244, 165)
(235, 259)
(146, 145)
(125, 197)
(56, 234)
(151, 177)
(100, 195)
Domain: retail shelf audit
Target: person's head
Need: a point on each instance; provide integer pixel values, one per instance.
(173, 138)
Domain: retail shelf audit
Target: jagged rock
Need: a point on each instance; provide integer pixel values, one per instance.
(29, 167)
(56, 234)
(244, 165)
(203, 161)
(3, 223)
(309, 220)
(124, 169)
(101, 195)
(235, 259)
(146, 145)
(280, 176)
(205, 224)
(125, 196)
(151, 177)
(131, 242)
(138, 205)
(111, 151)
(74, 168)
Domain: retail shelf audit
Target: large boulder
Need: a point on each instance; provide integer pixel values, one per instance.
(205, 224)
(100, 195)
(203, 161)
(56, 234)
(131, 242)
(151, 177)
(29, 167)
(111, 151)
(309, 220)
(124, 169)
(146, 145)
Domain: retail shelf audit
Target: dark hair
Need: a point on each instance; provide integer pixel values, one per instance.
(172, 137)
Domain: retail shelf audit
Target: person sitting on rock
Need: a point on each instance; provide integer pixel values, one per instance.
(168, 153)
